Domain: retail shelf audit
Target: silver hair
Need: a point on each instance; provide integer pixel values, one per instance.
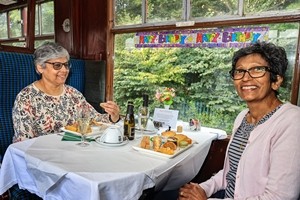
(47, 51)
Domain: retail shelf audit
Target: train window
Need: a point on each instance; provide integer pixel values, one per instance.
(164, 10)
(258, 6)
(128, 12)
(199, 75)
(44, 20)
(155, 12)
(12, 29)
(213, 8)
(14, 25)
(3, 26)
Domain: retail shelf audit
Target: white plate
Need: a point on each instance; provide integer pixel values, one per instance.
(151, 152)
(93, 133)
(97, 140)
(146, 132)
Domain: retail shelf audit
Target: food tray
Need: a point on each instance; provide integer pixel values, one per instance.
(152, 152)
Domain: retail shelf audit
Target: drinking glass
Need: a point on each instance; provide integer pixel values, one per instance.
(143, 116)
(83, 121)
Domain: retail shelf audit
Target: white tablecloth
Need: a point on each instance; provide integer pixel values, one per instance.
(55, 169)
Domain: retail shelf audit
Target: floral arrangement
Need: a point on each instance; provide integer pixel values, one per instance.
(165, 95)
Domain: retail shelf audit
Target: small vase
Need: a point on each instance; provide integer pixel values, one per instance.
(167, 107)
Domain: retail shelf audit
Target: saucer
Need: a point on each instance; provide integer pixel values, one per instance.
(146, 132)
(97, 140)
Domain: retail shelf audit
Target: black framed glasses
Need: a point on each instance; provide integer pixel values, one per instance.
(59, 65)
(254, 72)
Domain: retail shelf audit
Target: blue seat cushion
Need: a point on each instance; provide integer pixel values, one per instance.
(77, 74)
(16, 72)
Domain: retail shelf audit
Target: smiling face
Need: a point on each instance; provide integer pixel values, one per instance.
(52, 76)
(255, 89)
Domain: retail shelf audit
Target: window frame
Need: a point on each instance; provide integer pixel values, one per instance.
(28, 30)
(240, 20)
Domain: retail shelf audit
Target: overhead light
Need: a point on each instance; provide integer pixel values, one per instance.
(8, 2)
(185, 23)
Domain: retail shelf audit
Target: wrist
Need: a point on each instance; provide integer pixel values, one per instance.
(110, 119)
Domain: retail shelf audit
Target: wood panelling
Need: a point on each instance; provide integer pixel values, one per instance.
(87, 38)
(62, 12)
(214, 160)
(94, 26)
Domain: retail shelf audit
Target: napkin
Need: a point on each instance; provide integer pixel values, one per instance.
(72, 137)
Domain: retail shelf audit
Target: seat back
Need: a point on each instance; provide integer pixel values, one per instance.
(16, 72)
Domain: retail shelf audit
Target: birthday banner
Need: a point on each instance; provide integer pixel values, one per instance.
(230, 37)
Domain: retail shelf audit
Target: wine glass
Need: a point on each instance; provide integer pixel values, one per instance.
(83, 121)
(143, 116)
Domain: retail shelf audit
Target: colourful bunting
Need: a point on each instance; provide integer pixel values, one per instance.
(230, 37)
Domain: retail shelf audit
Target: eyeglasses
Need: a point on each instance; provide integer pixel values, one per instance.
(58, 65)
(254, 72)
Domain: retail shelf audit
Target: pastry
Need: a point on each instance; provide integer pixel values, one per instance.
(183, 144)
(145, 142)
(172, 139)
(156, 142)
(180, 137)
(168, 134)
(171, 145)
(166, 150)
(72, 127)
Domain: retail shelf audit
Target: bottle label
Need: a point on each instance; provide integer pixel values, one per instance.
(132, 131)
(129, 131)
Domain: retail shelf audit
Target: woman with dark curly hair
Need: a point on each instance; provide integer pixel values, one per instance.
(263, 156)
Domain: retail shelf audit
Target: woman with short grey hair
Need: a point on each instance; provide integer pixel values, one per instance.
(48, 104)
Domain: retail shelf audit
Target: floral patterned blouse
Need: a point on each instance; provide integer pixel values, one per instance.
(36, 113)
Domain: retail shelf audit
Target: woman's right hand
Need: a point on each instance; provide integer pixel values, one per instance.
(192, 191)
(112, 109)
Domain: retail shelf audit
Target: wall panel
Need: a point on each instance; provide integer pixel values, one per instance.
(87, 38)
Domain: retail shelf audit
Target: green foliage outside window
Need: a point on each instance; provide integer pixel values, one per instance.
(200, 76)
(47, 13)
(15, 23)
(3, 26)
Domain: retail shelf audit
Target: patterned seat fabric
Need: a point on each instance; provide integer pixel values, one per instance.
(17, 71)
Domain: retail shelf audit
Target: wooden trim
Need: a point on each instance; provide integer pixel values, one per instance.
(30, 26)
(109, 51)
(296, 80)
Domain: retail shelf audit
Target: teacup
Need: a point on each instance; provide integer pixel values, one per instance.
(112, 135)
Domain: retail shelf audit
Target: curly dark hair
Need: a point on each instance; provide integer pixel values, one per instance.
(274, 55)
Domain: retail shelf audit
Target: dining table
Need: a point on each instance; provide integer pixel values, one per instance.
(54, 168)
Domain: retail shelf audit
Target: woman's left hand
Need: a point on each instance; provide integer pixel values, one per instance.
(192, 191)
(112, 109)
